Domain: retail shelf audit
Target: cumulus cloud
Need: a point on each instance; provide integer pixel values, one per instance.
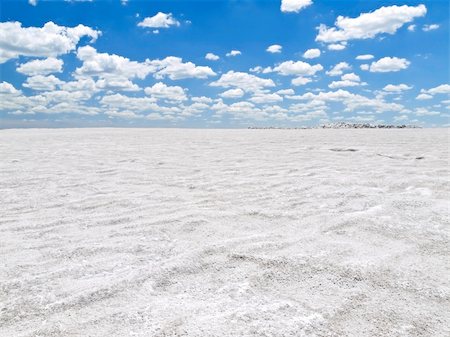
(232, 93)
(351, 101)
(41, 67)
(202, 99)
(163, 91)
(396, 88)
(364, 57)
(259, 69)
(294, 5)
(389, 64)
(368, 25)
(311, 53)
(105, 65)
(300, 81)
(440, 89)
(275, 48)
(337, 46)
(233, 53)
(427, 28)
(347, 80)
(49, 41)
(8, 88)
(339, 69)
(141, 105)
(160, 20)
(425, 112)
(285, 92)
(265, 98)
(299, 68)
(212, 57)
(175, 69)
(42, 83)
(411, 28)
(244, 81)
(422, 97)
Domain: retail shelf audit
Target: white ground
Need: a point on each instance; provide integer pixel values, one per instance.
(141, 232)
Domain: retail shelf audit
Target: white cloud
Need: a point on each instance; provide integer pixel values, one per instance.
(286, 92)
(389, 64)
(49, 41)
(123, 114)
(275, 48)
(364, 57)
(425, 112)
(440, 89)
(311, 53)
(106, 65)
(160, 20)
(300, 81)
(427, 28)
(339, 69)
(347, 80)
(299, 68)
(396, 88)
(246, 82)
(43, 83)
(337, 46)
(32, 2)
(294, 5)
(233, 53)
(232, 93)
(162, 91)
(211, 57)
(174, 68)
(41, 67)
(350, 77)
(264, 98)
(351, 101)
(342, 84)
(412, 28)
(8, 88)
(148, 105)
(259, 69)
(119, 84)
(364, 67)
(368, 25)
(202, 99)
(256, 69)
(422, 97)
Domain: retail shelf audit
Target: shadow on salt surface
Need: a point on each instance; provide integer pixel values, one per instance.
(404, 157)
(337, 149)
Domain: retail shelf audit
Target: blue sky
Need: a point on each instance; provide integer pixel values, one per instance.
(223, 63)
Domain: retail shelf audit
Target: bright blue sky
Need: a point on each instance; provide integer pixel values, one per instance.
(127, 65)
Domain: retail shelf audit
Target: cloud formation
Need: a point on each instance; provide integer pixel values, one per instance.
(368, 25)
(49, 41)
(160, 20)
(389, 64)
(41, 67)
(275, 48)
(294, 5)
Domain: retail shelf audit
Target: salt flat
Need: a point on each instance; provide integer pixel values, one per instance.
(171, 232)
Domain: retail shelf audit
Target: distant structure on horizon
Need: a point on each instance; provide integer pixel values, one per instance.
(344, 125)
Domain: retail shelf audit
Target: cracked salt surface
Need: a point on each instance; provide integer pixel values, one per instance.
(153, 232)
